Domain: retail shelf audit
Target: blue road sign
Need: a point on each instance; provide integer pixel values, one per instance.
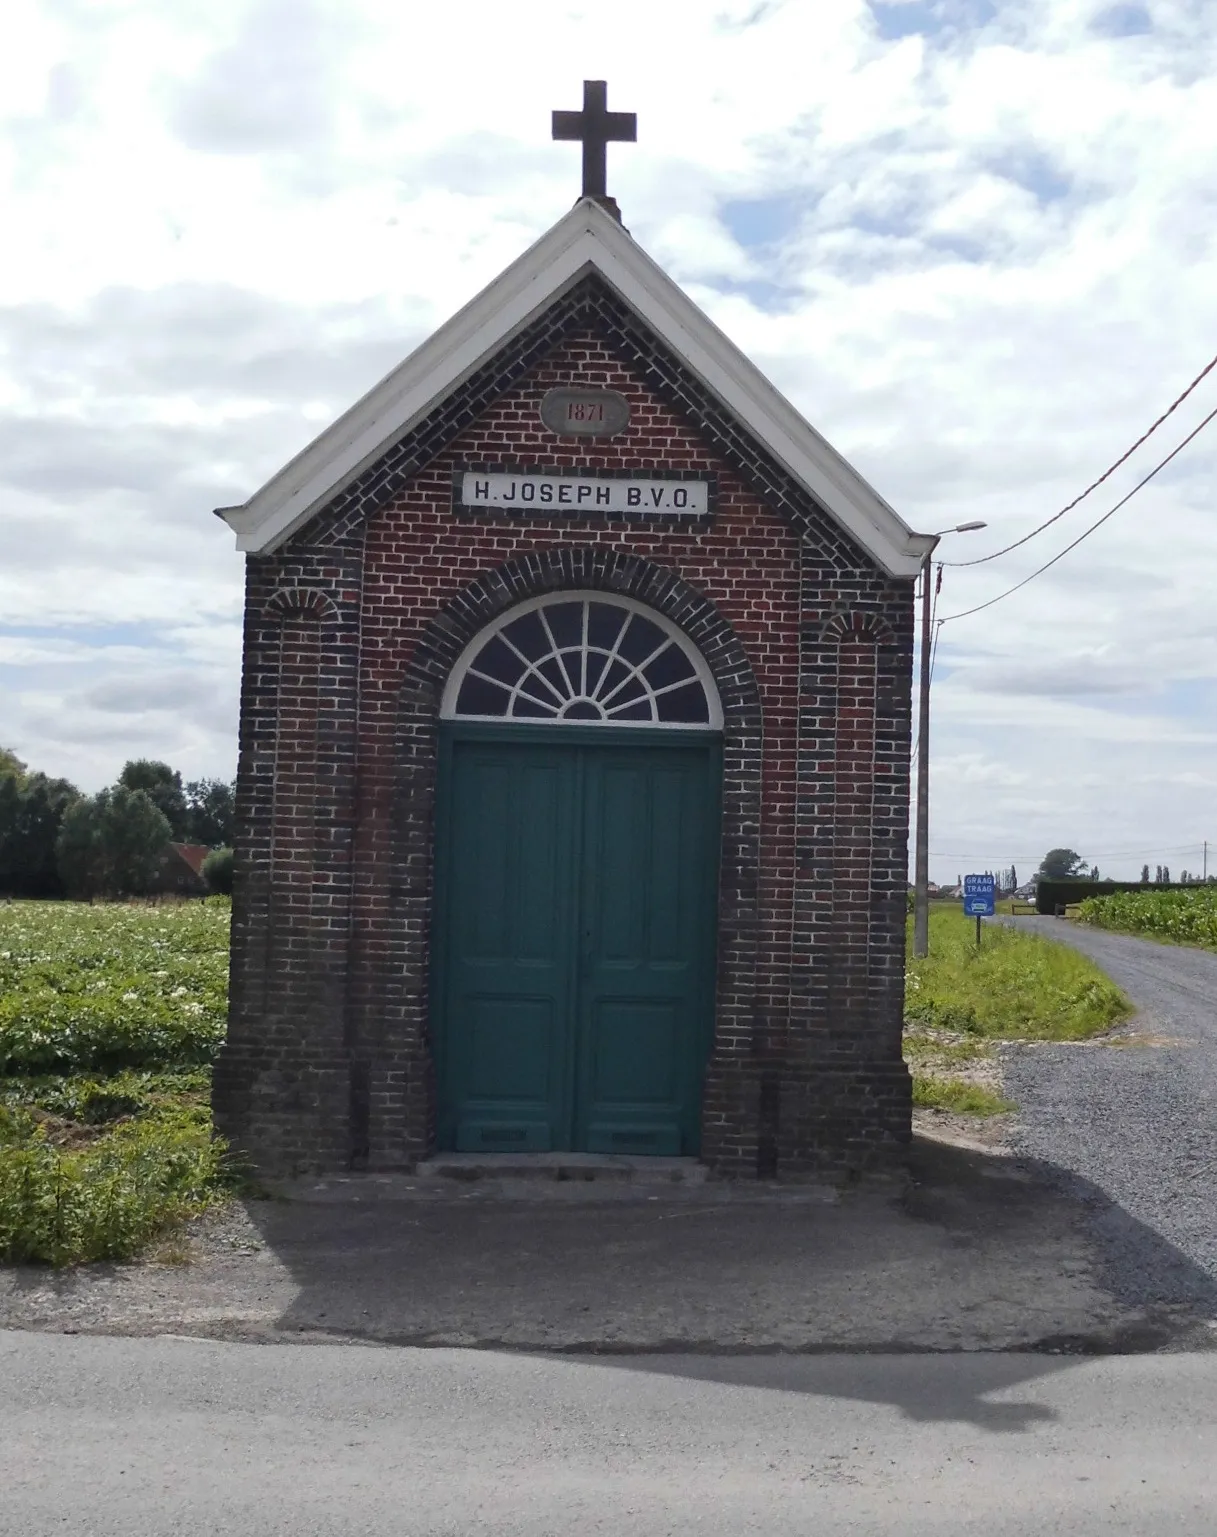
(979, 896)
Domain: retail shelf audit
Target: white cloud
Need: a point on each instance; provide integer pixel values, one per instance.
(978, 256)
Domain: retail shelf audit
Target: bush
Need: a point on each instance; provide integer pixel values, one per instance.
(105, 1200)
(217, 872)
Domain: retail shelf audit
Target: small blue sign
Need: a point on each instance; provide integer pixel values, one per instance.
(979, 896)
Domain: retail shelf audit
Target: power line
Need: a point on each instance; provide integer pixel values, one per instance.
(1179, 848)
(1094, 485)
(1086, 535)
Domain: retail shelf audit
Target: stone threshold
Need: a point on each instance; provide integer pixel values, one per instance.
(586, 1167)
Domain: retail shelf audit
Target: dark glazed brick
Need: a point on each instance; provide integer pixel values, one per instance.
(351, 630)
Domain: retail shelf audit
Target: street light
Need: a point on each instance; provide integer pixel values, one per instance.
(921, 868)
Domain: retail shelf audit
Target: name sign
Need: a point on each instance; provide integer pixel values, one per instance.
(595, 494)
(585, 413)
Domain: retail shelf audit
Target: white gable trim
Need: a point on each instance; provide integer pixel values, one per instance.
(586, 239)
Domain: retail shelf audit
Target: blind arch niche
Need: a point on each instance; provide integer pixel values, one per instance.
(583, 659)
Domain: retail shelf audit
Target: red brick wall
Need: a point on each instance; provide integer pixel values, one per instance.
(419, 556)
(328, 1022)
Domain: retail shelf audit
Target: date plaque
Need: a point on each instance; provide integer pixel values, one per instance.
(576, 413)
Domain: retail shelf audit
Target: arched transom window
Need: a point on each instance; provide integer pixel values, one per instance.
(583, 659)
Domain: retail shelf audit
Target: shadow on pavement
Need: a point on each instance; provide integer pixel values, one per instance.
(962, 1395)
(972, 1252)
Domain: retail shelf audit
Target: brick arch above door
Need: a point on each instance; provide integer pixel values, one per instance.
(590, 568)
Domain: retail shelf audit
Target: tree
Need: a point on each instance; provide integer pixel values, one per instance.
(11, 764)
(1166, 875)
(1061, 864)
(136, 832)
(30, 815)
(1013, 879)
(31, 809)
(209, 812)
(1158, 875)
(79, 847)
(1145, 875)
(111, 843)
(1094, 873)
(217, 871)
(163, 787)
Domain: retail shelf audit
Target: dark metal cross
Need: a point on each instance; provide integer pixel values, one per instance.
(596, 126)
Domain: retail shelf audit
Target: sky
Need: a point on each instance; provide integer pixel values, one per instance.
(973, 242)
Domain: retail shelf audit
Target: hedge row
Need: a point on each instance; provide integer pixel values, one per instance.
(1051, 896)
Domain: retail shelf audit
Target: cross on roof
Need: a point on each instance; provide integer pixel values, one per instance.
(596, 126)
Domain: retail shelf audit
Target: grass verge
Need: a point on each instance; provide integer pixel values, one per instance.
(961, 1001)
(957, 1095)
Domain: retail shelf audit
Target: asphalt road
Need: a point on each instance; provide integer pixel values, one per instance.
(1137, 1122)
(141, 1437)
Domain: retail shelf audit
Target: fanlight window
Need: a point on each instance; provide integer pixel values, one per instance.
(583, 660)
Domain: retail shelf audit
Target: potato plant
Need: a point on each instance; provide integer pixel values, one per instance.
(110, 1017)
(1187, 916)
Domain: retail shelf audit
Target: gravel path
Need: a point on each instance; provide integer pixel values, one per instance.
(1134, 1126)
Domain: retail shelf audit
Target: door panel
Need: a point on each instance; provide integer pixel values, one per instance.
(509, 942)
(574, 942)
(647, 935)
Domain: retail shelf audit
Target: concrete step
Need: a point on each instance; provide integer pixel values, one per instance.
(600, 1167)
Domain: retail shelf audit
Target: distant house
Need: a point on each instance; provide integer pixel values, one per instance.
(181, 870)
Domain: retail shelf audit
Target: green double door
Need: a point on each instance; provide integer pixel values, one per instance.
(573, 986)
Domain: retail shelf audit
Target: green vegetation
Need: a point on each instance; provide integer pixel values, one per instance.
(959, 1001)
(217, 871)
(1186, 915)
(103, 1198)
(109, 1020)
(958, 1095)
(1017, 986)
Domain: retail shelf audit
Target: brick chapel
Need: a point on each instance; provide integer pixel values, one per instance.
(572, 798)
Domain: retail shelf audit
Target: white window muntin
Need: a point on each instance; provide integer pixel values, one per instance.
(534, 686)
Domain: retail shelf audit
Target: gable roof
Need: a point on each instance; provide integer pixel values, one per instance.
(586, 240)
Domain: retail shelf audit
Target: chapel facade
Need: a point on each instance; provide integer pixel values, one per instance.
(572, 797)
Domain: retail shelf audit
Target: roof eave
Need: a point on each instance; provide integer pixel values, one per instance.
(586, 238)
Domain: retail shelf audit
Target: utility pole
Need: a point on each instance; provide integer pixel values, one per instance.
(921, 860)
(921, 870)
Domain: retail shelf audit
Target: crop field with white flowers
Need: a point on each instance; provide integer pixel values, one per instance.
(1187, 916)
(110, 1018)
